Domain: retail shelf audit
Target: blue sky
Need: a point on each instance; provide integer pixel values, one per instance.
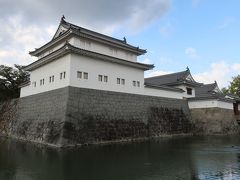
(201, 34)
(205, 36)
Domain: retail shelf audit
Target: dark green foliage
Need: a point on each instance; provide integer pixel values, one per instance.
(10, 79)
(234, 87)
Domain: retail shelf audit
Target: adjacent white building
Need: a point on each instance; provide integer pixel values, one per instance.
(210, 96)
(199, 96)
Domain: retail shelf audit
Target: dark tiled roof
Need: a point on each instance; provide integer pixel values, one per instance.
(123, 42)
(68, 48)
(172, 79)
(207, 91)
(77, 30)
(163, 87)
(237, 98)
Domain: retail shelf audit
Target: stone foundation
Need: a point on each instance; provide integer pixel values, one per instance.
(215, 121)
(72, 116)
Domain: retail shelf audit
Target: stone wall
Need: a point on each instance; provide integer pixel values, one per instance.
(214, 121)
(8, 110)
(98, 116)
(40, 117)
(71, 116)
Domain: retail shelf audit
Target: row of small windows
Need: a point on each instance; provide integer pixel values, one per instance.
(51, 79)
(136, 83)
(41, 82)
(82, 75)
(63, 75)
(104, 78)
(120, 81)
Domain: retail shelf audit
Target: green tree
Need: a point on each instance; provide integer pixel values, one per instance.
(10, 79)
(234, 87)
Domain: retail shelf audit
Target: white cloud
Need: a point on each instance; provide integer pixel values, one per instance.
(30, 24)
(19, 39)
(236, 67)
(156, 73)
(51, 30)
(146, 61)
(145, 13)
(191, 52)
(134, 14)
(219, 72)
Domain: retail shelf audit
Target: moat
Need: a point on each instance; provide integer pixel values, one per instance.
(213, 157)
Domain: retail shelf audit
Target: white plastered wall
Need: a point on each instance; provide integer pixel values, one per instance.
(53, 68)
(56, 47)
(73, 63)
(102, 48)
(184, 94)
(210, 104)
(113, 70)
(162, 93)
(96, 67)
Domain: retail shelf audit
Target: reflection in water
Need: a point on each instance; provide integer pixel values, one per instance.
(166, 158)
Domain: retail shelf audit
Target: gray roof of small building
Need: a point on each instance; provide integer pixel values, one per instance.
(207, 91)
(163, 87)
(172, 79)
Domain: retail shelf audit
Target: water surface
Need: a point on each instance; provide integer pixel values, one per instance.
(215, 157)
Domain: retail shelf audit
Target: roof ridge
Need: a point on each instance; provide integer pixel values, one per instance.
(210, 84)
(76, 30)
(92, 31)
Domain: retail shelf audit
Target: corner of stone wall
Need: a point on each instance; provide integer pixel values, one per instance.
(40, 118)
(214, 121)
(8, 111)
(62, 140)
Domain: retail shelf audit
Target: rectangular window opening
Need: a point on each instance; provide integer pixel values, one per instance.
(79, 74)
(138, 84)
(105, 78)
(85, 75)
(118, 80)
(189, 91)
(100, 78)
(34, 84)
(134, 83)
